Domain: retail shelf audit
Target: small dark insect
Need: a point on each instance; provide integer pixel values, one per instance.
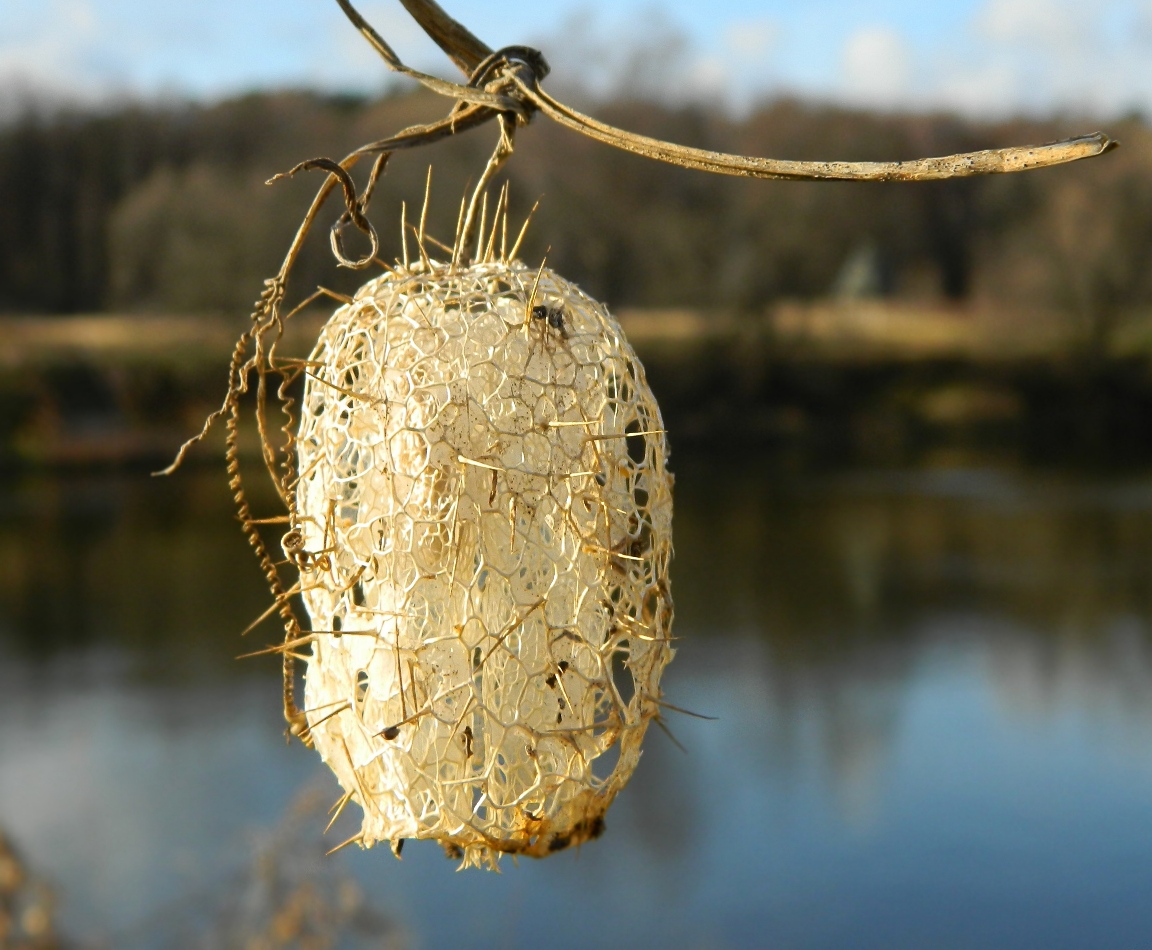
(467, 742)
(293, 545)
(563, 665)
(550, 679)
(559, 843)
(391, 733)
(554, 315)
(398, 847)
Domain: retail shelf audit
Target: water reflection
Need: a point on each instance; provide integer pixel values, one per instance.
(847, 584)
(933, 689)
(153, 570)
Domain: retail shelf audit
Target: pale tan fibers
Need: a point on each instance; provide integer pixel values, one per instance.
(490, 557)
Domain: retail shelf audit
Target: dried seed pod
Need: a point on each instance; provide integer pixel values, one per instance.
(484, 465)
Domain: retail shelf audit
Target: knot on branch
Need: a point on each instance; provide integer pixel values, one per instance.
(507, 73)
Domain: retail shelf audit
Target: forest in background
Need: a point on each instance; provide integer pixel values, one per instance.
(164, 209)
(841, 318)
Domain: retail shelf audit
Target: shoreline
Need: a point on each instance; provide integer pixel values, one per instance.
(829, 379)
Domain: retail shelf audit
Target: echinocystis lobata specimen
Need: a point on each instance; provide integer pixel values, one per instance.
(483, 465)
(477, 496)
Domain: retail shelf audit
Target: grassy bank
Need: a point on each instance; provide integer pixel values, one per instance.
(833, 378)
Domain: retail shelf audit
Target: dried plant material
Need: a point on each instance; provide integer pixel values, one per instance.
(289, 896)
(477, 495)
(484, 489)
(506, 82)
(27, 905)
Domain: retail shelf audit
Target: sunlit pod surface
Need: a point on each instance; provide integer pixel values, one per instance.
(484, 535)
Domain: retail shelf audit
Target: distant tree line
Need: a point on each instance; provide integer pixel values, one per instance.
(163, 208)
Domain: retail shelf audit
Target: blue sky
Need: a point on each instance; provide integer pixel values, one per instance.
(982, 57)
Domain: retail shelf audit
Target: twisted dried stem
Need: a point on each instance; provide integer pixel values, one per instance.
(469, 53)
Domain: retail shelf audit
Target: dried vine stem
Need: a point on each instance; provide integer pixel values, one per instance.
(522, 71)
(987, 162)
(504, 85)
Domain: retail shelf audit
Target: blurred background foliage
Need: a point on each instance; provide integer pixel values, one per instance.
(837, 316)
(164, 209)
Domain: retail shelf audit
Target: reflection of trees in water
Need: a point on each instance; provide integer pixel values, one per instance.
(846, 582)
(661, 809)
(818, 566)
(129, 563)
(1106, 679)
(813, 598)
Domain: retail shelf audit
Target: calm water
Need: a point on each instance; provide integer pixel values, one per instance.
(934, 692)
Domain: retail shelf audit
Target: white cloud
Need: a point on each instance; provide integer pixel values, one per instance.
(1006, 56)
(709, 77)
(1049, 24)
(642, 55)
(877, 67)
(1040, 55)
(1142, 25)
(95, 50)
(340, 56)
(976, 91)
(755, 38)
(47, 47)
(1012, 56)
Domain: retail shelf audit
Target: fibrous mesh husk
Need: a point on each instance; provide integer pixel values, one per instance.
(490, 557)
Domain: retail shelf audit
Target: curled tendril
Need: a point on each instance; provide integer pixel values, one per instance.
(354, 207)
